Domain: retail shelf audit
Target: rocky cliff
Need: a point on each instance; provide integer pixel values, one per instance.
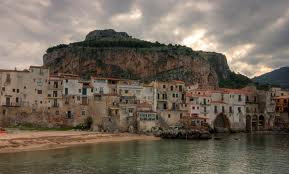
(116, 54)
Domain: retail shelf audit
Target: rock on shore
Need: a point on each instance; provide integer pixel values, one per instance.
(185, 134)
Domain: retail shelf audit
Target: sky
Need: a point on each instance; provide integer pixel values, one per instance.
(253, 34)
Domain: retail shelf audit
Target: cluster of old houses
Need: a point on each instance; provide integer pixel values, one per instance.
(35, 97)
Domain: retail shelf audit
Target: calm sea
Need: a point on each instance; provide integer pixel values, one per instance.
(237, 153)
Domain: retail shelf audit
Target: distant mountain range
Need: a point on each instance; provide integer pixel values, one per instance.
(279, 77)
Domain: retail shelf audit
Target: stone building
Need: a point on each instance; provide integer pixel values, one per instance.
(170, 100)
(282, 108)
(35, 97)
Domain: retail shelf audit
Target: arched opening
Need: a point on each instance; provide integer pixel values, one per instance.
(261, 122)
(248, 123)
(211, 80)
(271, 121)
(255, 123)
(222, 123)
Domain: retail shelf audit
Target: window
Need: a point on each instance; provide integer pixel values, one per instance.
(126, 91)
(240, 98)
(239, 109)
(205, 109)
(69, 114)
(177, 95)
(216, 109)
(54, 93)
(169, 115)
(173, 95)
(181, 115)
(174, 106)
(165, 106)
(92, 90)
(55, 85)
(13, 90)
(180, 88)
(18, 90)
(223, 109)
(83, 113)
(78, 98)
(79, 90)
(66, 91)
(172, 88)
(164, 86)
(8, 77)
(101, 90)
(17, 99)
(66, 81)
(39, 91)
(158, 96)
(3, 88)
(193, 107)
(231, 110)
(4, 112)
(56, 112)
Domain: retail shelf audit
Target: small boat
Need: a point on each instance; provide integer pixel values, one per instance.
(2, 131)
(217, 138)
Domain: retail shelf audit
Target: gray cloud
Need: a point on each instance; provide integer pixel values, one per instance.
(256, 28)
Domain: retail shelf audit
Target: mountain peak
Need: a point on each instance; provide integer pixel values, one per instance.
(106, 34)
(276, 77)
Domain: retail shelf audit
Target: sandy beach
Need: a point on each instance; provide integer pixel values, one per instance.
(18, 141)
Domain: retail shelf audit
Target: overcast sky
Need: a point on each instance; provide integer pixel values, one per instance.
(253, 34)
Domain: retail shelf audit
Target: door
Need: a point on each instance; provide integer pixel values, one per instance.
(7, 101)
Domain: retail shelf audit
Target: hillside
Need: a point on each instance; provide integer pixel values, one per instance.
(279, 77)
(108, 53)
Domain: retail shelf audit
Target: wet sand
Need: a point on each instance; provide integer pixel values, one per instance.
(20, 141)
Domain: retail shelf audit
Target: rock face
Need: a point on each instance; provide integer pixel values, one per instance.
(108, 53)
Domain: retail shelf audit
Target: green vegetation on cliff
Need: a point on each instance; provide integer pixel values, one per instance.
(235, 81)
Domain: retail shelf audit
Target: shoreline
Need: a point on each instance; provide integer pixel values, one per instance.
(24, 141)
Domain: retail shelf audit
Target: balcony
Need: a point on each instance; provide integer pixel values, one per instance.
(12, 104)
(55, 105)
(204, 104)
(55, 88)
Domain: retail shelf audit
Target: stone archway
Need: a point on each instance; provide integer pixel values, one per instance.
(248, 123)
(271, 121)
(222, 123)
(211, 79)
(261, 122)
(254, 123)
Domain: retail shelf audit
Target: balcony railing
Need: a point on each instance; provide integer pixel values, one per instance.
(55, 105)
(11, 104)
(55, 88)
